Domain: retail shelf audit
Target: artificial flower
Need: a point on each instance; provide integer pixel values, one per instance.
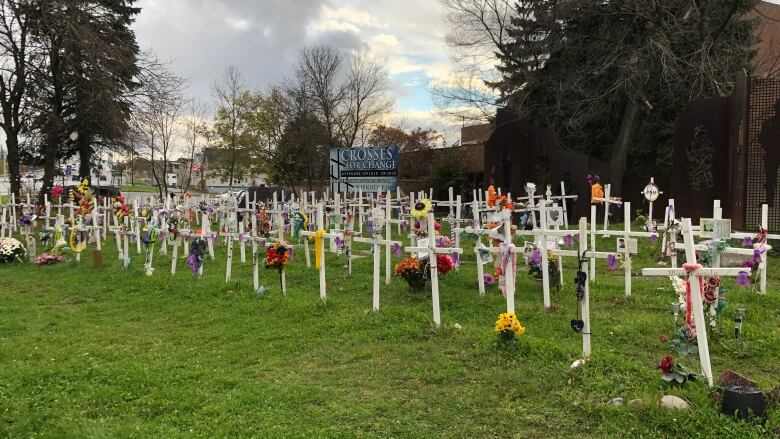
(421, 209)
(666, 364)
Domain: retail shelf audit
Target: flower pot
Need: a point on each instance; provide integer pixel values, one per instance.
(744, 402)
(417, 285)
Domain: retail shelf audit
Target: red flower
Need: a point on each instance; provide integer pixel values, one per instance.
(443, 263)
(663, 338)
(666, 365)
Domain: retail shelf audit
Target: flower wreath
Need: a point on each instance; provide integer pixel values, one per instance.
(76, 242)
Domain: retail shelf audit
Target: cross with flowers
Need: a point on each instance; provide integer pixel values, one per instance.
(694, 272)
(430, 250)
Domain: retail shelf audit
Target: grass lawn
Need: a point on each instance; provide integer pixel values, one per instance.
(139, 188)
(111, 353)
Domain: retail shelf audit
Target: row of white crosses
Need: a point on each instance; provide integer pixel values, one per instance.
(693, 272)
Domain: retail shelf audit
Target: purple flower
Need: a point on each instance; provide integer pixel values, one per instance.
(397, 250)
(455, 258)
(568, 240)
(194, 264)
(747, 242)
(589, 179)
(489, 279)
(612, 262)
(653, 238)
(536, 257)
(743, 279)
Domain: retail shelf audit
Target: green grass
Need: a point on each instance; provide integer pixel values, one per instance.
(139, 188)
(109, 352)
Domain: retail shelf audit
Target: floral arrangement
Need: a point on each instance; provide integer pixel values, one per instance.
(82, 196)
(11, 250)
(49, 259)
(197, 252)
(444, 264)
(421, 209)
(675, 372)
(508, 327)
(264, 223)
(411, 270)
(752, 264)
(277, 256)
(121, 208)
(492, 196)
(56, 191)
(77, 240)
(535, 267)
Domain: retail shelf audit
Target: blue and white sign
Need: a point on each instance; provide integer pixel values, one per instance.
(366, 169)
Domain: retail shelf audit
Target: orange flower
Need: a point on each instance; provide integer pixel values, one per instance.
(492, 196)
(596, 191)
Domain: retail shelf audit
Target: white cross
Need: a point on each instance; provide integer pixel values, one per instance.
(696, 294)
(377, 242)
(607, 200)
(431, 250)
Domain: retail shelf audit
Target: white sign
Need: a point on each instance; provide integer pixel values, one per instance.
(651, 192)
(555, 217)
(368, 169)
(627, 245)
(715, 228)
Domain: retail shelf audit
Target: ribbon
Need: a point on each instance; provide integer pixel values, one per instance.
(318, 247)
(688, 292)
(507, 257)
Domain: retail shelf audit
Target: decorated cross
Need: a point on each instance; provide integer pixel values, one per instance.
(431, 251)
(694, 272)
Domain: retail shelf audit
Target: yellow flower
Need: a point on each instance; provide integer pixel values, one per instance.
(421, 209)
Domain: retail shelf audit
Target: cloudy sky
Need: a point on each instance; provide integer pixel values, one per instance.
(262, 38)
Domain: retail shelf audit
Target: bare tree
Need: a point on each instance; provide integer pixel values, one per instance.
(194, 131)
(319, 68)
(365, 98)
(478, 31)
(233, 99)
(158, 107)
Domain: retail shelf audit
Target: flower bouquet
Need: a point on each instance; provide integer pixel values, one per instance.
(412, 271)
(11, 250)
(535, 268)
(277, 256)
(48, 259)
(508, 328)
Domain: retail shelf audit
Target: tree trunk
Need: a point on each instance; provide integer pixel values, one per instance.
(85, 158)
(617, 163)
(12, 162)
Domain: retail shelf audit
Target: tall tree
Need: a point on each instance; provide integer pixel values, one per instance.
(90, 58)
(575, 65)
(229, 131)
(14, 79)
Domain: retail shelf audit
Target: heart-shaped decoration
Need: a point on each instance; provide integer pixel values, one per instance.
(577, 325)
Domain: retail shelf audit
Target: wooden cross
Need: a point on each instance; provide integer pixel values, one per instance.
(696, 293)
(321, 249)
(431, 251)
(607, 201)
(377, 241)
